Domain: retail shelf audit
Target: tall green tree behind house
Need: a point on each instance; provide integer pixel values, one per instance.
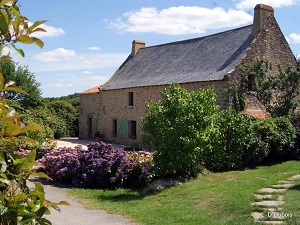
(25, 80)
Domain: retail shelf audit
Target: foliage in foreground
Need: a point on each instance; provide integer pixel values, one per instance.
(19, 203)
(100, 166)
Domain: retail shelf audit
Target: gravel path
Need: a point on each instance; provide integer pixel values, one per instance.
(76, 214)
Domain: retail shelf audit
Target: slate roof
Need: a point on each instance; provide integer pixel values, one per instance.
(206, 58)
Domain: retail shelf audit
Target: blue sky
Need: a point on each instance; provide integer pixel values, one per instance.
(88, 40)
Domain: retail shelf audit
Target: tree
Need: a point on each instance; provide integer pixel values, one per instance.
(179, 127)
(67, 118)
(25, 80)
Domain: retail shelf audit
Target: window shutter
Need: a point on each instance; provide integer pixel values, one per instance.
(122, 126)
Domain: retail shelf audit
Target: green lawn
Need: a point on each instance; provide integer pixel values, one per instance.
(217, 198)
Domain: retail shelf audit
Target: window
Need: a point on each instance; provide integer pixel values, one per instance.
(124, 129)
(132, 129)
(130, 98)
(251, 82)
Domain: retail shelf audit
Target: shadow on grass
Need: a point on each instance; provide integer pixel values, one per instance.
(295, 188)
(123, 197)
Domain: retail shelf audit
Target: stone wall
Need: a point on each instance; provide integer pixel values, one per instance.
(114, 106)
(89, 108)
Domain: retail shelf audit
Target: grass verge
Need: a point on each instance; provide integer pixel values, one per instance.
(217, 198)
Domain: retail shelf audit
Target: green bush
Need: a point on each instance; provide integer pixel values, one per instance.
(234, 144)
(179, 127)
(279, 133)
(61, 128)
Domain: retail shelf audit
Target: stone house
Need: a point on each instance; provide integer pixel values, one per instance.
(116, 108)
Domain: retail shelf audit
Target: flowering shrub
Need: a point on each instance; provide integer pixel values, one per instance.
(139, 166)
(57, 162)
(100, 166)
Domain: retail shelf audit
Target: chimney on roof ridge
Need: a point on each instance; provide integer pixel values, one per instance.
(136, 46)
(261, 14)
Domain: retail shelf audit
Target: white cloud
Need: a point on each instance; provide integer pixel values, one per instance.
(295, 38)
(59, 85)
(298, 56)
(86, 72)
(97, 79)
(179, 20)
(57, 55)
(68, 60)
(250, 4)
(51, 31)
(94, 48)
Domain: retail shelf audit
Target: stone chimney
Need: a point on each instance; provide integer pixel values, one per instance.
(261, 14)
(136, 46)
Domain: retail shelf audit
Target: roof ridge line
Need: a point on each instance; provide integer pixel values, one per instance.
(190, 39)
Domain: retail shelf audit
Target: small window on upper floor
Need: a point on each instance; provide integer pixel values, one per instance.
(130, 98)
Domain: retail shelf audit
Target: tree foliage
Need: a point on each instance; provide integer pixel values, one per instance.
(25, 80)
(179, 127)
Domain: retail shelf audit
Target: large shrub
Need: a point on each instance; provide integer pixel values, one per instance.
(179, 127)
(234, 143)
(100, 166)
(279, 134)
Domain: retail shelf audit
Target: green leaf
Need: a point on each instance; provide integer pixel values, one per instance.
(28, 218)
(20, 51)
(38, 42)
(25, 39)
(23, 139)
(43, 221)
(39, 187)
(41, 175)
(3, 23)
(20, 197)
(40, 213)
(31, 127)
(7, 57)
(31, 156)
(12, 129)
(64, 203)
(36, 24)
